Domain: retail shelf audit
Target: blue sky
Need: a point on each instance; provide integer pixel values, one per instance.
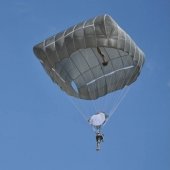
(39, 127)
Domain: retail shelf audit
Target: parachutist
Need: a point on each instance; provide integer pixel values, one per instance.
(99, 139)
(97, 121)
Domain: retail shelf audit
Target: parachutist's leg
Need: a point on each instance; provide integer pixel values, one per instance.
(98, 146)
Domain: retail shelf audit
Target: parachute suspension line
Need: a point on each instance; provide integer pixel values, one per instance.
(118, 101)
(121, 97)
(78, 109)
(115, 101)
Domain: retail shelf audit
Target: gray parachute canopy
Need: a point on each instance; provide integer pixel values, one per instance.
(91, 59)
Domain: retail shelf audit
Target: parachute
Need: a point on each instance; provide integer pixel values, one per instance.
(91, 59)
(98, 119)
